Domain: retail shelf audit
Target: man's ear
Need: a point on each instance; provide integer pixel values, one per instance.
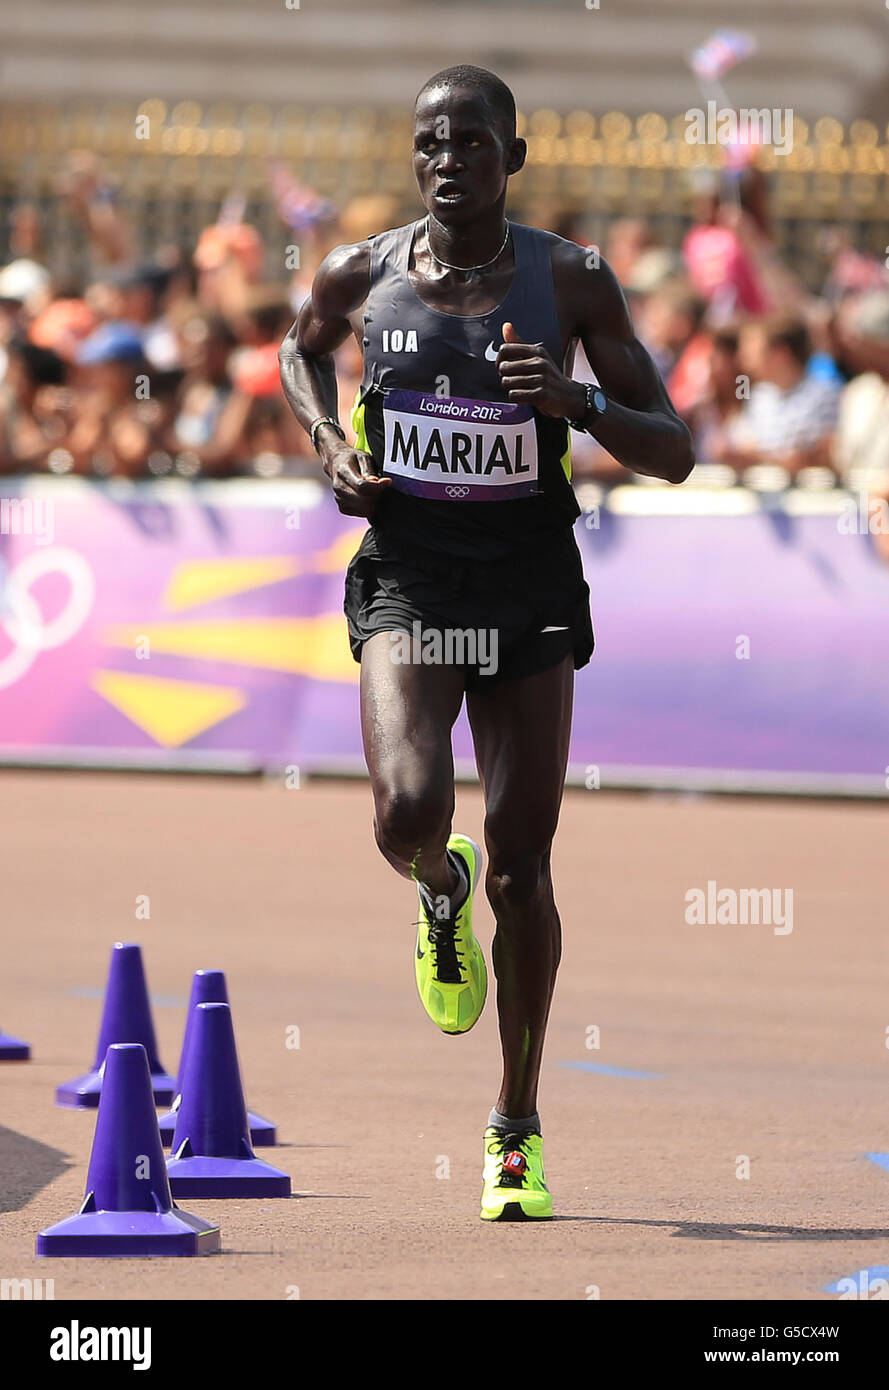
(518, 153)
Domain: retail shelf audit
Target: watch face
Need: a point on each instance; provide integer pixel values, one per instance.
(600, 401)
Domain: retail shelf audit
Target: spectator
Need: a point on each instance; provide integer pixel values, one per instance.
(653, 269)
(24, 290)
(92, 198)
(628, 240)
(668, 321)
(140, 300)
(862, 440)
(32, 407)
(720, 267)
(116, 424)
(62, 327)
(228, 260)
(850, 272)
(270, 427)
(205, 344)
(714, 414)
(790, 416)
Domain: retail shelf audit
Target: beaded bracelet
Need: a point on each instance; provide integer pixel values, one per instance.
(325, 420)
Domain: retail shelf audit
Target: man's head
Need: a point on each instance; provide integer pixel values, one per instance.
(672, 316)
(863, 333)
(110, 359)
(776, 349)
(724, 362)
(465, 145)
(206, 341)
(140, 290)
(31, 367)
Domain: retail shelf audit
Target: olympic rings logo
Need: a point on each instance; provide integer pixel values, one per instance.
(20, 615)
(454, 490)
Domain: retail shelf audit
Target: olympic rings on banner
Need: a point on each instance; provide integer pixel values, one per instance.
(20, 615)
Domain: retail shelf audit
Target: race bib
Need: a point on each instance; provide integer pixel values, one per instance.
(459, 450)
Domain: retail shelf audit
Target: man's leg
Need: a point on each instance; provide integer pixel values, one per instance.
(521, 730)
(407, 713)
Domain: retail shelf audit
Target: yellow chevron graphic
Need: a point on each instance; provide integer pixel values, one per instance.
(338, 555)
(200, 581)
(171, 712)
(316, 647)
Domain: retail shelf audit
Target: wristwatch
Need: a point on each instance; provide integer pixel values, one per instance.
(596, 405)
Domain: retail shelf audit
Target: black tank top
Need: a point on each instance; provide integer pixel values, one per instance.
(475, 475)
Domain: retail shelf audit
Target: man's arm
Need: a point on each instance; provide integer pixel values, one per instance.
(640, 427)
(818, 454)
(308, 375)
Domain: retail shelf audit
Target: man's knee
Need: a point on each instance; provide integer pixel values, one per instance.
(406, 819)
(518, 882)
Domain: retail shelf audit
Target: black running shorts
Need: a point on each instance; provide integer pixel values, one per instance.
(527, 614)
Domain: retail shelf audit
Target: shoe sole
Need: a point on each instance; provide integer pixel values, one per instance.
(514, 1211)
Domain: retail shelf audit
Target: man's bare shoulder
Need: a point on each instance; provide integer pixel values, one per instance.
(583, 278)
(342, 280)
(575, 264)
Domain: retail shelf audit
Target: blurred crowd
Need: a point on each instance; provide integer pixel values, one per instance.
(165, 366)
(169, 366)
(769, 373)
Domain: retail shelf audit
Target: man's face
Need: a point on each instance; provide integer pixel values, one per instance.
(137, 304)
(754, 353)
(113, 382)
(723, 367)
(667, 323)
(461, 157)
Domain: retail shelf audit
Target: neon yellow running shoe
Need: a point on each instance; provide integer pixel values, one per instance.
(514, 1186)
(450, 968)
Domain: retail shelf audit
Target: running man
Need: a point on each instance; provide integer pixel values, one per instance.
(468, 324)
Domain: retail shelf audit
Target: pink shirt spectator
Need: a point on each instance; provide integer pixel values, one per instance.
(721, 272)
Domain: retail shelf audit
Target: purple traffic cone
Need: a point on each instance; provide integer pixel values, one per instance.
(211, 1155)
(208, 987)
(13, 1049)
(126, 1018)
(128, 1208)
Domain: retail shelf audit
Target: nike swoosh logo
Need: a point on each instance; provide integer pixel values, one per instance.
(420, 954)
(555, 629)
(491, 351)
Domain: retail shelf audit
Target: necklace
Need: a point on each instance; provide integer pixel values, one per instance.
(466, 268)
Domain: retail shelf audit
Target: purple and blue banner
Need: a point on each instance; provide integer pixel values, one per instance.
(201, 626)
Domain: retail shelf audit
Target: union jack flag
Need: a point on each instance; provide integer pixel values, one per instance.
(723, 50)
